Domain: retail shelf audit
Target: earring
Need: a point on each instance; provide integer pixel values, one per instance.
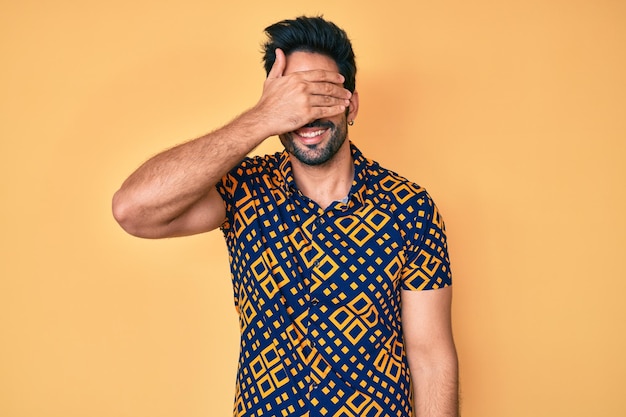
(351, 123)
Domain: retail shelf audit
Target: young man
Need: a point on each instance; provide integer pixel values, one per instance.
(340, 267)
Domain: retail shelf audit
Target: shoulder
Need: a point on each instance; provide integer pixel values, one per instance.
(251, 172)
(409, 202)
(257, 166)
(394, 186)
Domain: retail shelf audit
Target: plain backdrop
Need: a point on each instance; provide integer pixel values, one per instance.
(511, 113)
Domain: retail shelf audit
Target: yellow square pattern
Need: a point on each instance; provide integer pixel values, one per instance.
(318, 291)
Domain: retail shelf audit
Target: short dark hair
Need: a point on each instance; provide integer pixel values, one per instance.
(311, 34)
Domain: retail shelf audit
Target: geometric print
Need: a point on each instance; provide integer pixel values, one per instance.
(318, 291)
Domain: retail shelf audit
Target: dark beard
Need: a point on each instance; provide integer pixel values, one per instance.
(315, 155)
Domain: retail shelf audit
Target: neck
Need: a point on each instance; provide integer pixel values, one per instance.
(328, 182)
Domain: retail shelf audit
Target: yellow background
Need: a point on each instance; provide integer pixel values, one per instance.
(511, 113)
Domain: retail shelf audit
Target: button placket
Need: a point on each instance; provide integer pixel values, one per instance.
(317, 236)
(313, 301)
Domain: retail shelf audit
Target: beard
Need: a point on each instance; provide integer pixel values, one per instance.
(320, 153)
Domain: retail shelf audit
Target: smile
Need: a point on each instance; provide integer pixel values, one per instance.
(311, 134)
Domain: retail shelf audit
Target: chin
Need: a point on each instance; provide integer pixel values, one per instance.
(317, 154)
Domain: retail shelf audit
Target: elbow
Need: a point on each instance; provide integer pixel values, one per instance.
(431, 352)
(126, 215)
(441, 357)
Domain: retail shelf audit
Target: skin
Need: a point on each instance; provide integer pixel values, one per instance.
(161, 199)
(174, 194)
(427, 328)
(328, 180)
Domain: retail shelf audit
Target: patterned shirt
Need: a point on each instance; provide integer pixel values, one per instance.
(318, 291)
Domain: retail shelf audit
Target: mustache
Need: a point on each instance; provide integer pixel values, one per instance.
(320, 123)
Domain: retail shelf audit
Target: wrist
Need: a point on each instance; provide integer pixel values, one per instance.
(256, 125)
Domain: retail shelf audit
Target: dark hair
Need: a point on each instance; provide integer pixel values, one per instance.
(311, 34)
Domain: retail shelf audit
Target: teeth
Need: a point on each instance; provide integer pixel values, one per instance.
(311, 134)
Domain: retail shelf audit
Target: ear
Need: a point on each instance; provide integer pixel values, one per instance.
(353, 110)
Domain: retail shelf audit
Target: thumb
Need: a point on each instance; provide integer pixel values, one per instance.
(279, 64)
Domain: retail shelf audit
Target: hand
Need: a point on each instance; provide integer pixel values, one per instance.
(293, 100)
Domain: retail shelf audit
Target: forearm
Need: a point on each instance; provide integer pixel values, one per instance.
(169, 183)
(435, 386)
(173, 193)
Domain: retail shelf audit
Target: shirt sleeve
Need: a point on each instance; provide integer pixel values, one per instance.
(236, 188)
(227, 187)
(428, 264)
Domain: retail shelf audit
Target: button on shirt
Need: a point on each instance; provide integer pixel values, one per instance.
(318, 291)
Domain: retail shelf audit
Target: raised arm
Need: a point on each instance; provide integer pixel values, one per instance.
(431, 353)
(174, 194)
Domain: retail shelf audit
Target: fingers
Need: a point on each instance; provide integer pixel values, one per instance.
(327, 101)
(328, 90)
(292, 99)
(279, 65)
(314, 76)
(323, 112)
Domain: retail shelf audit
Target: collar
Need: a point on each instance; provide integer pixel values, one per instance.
(358, 191)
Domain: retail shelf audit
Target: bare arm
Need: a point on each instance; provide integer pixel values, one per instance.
(173, 193)
(430, 351)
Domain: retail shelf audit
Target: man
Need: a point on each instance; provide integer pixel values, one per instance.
(339, 266)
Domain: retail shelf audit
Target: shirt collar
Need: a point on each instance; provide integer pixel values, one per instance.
(360, 183)
(358, 190)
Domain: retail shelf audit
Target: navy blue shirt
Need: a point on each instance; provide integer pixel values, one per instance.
(318, 291)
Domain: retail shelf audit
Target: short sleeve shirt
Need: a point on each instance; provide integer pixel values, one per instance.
(318, 290)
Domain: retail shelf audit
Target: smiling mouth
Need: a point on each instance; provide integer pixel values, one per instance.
(310, 134)
(314, 130)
